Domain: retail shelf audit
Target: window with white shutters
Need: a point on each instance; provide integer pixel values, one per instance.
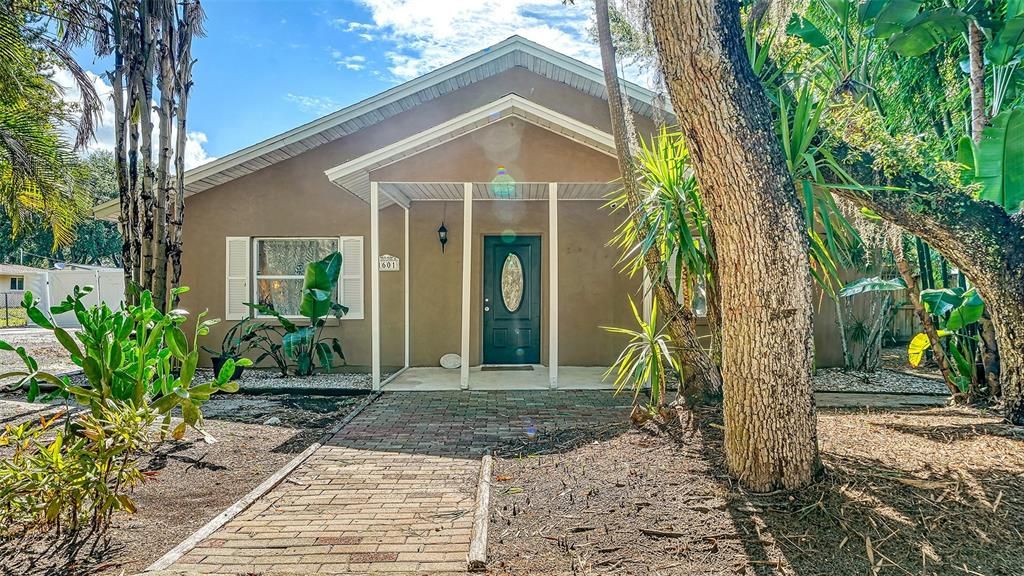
(237, 280)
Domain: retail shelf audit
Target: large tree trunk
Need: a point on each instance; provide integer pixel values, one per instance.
(770, 424)
(700, 374)
(979, 237)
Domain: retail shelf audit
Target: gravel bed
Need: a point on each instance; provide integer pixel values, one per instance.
(880, 381)
(264, 378)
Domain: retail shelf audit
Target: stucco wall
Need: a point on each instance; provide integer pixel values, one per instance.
(294, 198)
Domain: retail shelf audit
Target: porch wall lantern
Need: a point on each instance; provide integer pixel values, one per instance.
(442, 236)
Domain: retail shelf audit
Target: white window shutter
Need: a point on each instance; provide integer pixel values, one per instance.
(350, 290)
(236, 283)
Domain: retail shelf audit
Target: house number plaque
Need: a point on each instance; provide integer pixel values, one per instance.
(388, 263)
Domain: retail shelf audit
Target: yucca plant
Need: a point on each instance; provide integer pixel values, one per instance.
(647, 361)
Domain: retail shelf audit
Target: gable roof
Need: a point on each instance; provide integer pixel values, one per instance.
(512, 52)
(354, 175)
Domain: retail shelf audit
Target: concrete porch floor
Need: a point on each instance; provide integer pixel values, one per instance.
(423, 379)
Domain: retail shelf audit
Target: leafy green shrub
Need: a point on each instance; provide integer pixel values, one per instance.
(81, 476)
(139, 367)
(956, 310)
(647, 359)
(304, 344)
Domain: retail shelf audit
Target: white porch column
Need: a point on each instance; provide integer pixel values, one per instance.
(405, 267)
(375, 284)
(467, 267)
(553, 284)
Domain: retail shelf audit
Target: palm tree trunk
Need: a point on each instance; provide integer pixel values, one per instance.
(132, 236)
(976, 59)
(770, 423)
(976, 55)
(191, 18)
(699, 373)
(164, 188)
(147, 192)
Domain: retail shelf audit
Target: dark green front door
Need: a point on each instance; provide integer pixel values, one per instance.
(511, 299)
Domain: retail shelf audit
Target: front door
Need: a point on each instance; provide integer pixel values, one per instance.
(511, 299)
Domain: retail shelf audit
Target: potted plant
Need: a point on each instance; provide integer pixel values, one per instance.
(235, 343)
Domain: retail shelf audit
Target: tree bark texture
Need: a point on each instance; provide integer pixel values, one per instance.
(164, 189)
(980, 238)
(988, 343)
(191, 14)
(700, 374)
(770, 424)
(914, 292)
(976, 61)
(147, 180)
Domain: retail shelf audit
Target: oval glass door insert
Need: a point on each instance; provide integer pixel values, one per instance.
(512, 282)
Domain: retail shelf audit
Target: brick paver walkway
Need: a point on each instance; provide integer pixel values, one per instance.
(393, 492)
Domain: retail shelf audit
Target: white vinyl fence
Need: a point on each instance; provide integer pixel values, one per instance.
(54, 286)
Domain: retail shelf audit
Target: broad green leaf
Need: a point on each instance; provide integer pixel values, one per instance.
(1000, 160)
(319, 283)
(939, 301)
(176, 341)
(889, 16)
(93, 371)
(873, 284)
(1003, 49)
(67, 341)
(806, 30)
(968, 312)
(37, 316)
(928, 30)
(227, 370)
(965, 157)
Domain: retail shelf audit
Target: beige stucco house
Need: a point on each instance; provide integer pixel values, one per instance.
(508, 150)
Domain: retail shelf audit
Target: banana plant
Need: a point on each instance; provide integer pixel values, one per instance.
(305, 344)
(956, 309)
(996, 163)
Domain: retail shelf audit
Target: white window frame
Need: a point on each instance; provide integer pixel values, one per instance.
(256, 277)
(15, 280)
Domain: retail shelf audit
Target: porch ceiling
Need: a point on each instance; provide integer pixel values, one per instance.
(354, 175)
(440, 191)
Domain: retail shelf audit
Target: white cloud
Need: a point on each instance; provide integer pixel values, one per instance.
(316, 105)
(195, 153)
(427, 34)
(353, 62)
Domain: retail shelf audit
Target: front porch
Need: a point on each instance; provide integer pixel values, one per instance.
(509, 182)
(424, 379)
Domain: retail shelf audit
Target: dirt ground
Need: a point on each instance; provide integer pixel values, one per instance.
(194, 482)
(930, 492)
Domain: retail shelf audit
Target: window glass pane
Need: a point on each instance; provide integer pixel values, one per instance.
(290, 257)
(512, 282)
(282, 295)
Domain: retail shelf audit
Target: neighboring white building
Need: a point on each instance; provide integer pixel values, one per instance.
(52, 286)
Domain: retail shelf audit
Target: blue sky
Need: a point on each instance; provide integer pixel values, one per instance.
(267, 66)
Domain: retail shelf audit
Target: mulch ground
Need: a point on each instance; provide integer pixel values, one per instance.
(194, 482)
(937, 491)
